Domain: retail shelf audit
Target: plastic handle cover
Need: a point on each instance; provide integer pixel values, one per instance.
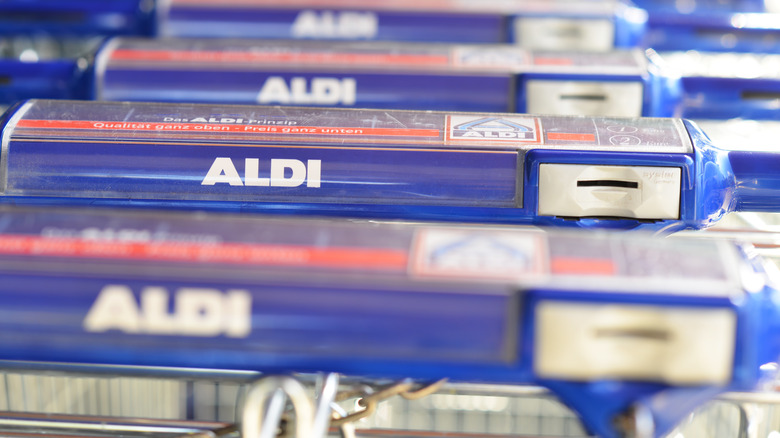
(757, 177)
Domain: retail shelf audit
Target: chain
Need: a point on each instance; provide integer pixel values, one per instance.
(264, 415)
(368, 398)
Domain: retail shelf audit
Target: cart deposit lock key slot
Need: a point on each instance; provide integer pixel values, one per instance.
(576, 190)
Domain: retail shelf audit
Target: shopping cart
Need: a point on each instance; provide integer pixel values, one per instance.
(92, 401)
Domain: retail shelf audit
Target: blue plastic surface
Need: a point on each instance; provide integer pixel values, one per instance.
(358, 163)
(250, 21)
(391, 300)
(48, 79)
(694, 6)
(453, 77)
(392, 76)
(721, 86)
(78, 17)
(433, 21)
(491, 78)
(448, 21)
(724, 98)
(713, 29)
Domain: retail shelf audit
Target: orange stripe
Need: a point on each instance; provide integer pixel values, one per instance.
(552, 61)
(210, 127)
(232, 253)
(285, 146)
(427, 5)
(275, 57)
(569, 136)
(580, 266)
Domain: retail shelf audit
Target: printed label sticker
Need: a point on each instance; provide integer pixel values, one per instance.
(479, 254)
(492, 128)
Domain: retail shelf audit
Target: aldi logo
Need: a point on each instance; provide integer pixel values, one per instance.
(514, 129)
(510, 57)
(483, 254)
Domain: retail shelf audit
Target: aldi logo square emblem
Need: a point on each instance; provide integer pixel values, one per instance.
(479, 254)
(492, 128)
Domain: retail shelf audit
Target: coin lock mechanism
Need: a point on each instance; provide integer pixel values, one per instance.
(583, 190)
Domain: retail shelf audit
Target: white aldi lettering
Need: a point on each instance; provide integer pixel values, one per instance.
(223, 171)
(196, 312)
(321, 91)
(332, 24)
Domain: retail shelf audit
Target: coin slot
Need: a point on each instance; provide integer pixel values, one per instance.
(760, 95)
(591, 97)
(648, 334)
(608, 183)
(591, 190)
(561, 96)
(586, 341)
